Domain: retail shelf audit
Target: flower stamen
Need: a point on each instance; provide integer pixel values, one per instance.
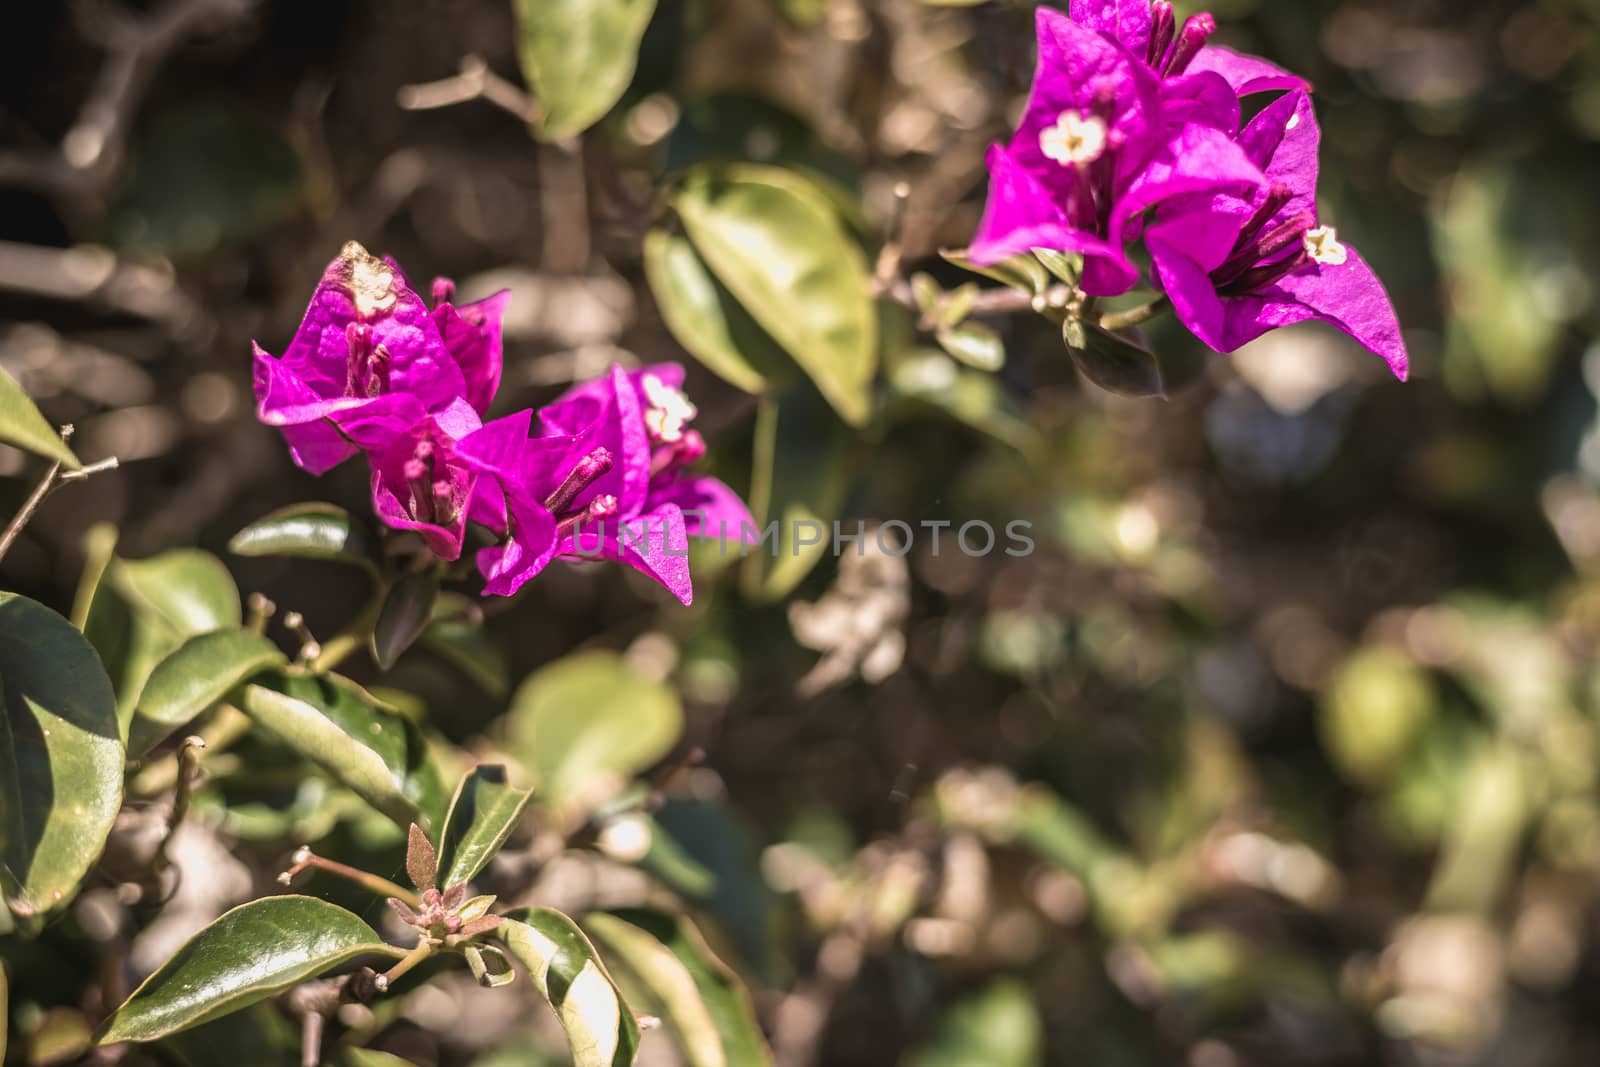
(598, 510)
(418, 471)
(669, 412)
(583, 475)
(1193, 37)
(686, 450)
(1075, 139)
(1322, 245)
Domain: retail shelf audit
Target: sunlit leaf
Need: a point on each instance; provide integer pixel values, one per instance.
(705, 1001)
(482, 815)
(490, 967)
(775, 242)
(308, 531)
(197, 675)
(565, 968)
(339, 727)
(23, 426)
(585, 724)
(60, 756)
(706, 319)
(578, 57)
(974, 344)
(188, 590)
(1374, 711)
(1112, 362)
(248, 954)
(1018, 272)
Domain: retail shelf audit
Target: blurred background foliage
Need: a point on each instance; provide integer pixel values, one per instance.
(1282, 748)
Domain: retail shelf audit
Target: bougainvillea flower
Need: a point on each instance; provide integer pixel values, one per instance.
(1150, 31)
(1093, 151)
(471, 334)
(419, 480)
(600, 475)
(1236, 268)
(367, 335)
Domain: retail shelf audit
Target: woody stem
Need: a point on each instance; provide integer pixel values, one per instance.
(305, 859)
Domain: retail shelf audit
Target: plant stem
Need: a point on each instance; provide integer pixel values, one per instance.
(388, 978)
(305, 859)
(29, 506)
(188, 761)
(1121, 320)
(347, 641)
(229, 725)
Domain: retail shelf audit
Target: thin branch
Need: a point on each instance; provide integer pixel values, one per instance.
(188, 756)
(304, 859)
(31, 505)
(1122, 320)
(889, 257)
(474, 82)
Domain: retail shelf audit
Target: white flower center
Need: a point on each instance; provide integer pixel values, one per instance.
(1322, 245)
(371, 281)
(1074, 139)
(669, 411)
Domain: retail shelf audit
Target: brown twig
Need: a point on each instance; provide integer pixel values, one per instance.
(53, 479)
(304, 859)
(475, 81)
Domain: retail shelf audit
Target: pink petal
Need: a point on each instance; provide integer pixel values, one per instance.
(471, 334)
(1245, 74)
(1126, 20)
(1348, 296)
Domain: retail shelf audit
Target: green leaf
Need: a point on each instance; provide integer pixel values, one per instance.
(707, 1003)
(482, 815)
(308, 531)
(1018, 272)
(567, 971)
(998, 1027)
(187, 589)
(405, 613)
(1066, 266)
(490, 967)
(23, 426)
(586, 723)
(197, 675)
(798, 481)
(974, 344)
(707, 320)
(578, 57)
(457, 636)
(248, 954)
(60, 756)
(1112, 362)
(371, 1057)
(340, 727)
(773, 239)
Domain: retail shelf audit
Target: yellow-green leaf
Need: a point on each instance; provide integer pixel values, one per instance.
(566, 969)
(776, 243)
(578, 57)
(482, 815)
(23, 426)
(60, 756)
(196, 676)
(798, 481)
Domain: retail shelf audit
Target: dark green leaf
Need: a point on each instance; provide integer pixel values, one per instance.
(308, 531)
(1018, 272)
(707, 320)
(406, 610)
(482, 815)
(578, 57)
(998, 1027)
(974, 344)
(567, 971)
(188, 590)
(196, 676)
(1112, 362)
(585, 724)
(798, 481)
(706, 1002)
(23, 426)
(774, 240)
(60, 756)
(341, 728)
(248, 954)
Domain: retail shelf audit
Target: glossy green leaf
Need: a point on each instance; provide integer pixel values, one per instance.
(578, 57)
(568, 972)
(311, 530)
(997, 1027)
(22, 425)
(457, 636)
(705, 1001)
(187, 589)
(1112, 362)
(773, 239)
(197, 675)
(585, 724)
(707, 320)
(798, 482)
(482, 815)
(60, 756)
(340, 727)
(974, 344)
(1067, 267)
(406, 611)
(248, 954)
